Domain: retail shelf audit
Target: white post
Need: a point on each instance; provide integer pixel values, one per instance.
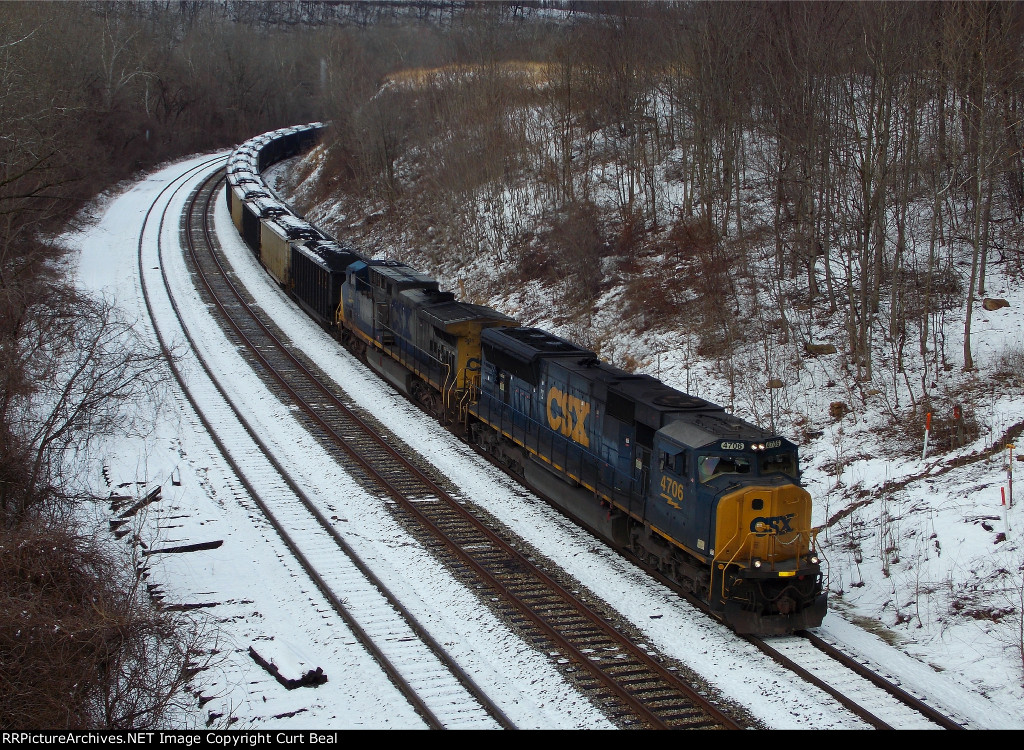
(1009, 473)
(1006, 512)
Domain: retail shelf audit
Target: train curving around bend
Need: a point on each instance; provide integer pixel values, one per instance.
(708, 499)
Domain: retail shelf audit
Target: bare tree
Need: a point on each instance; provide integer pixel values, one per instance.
(74, 370)
(987, 43)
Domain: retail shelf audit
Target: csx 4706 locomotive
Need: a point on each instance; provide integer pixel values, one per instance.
(708, 499)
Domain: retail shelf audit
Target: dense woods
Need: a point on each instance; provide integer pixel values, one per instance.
(789, 177)
(854, 163)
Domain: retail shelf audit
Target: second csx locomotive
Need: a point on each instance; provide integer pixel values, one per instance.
(708, 499)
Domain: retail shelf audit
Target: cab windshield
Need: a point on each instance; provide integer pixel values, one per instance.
(779, 463)
(709, 467)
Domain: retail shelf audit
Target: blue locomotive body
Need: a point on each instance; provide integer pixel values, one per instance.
(705, 497)
(421, 339)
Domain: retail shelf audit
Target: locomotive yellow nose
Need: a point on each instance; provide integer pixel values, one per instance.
(768, 524)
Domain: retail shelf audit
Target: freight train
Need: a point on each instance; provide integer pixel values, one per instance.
(708, 499)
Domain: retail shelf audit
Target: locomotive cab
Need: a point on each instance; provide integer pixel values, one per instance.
(734, 505)
(423, 340)
(765, 570)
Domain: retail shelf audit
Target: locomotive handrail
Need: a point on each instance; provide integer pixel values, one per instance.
(798, 534)
(463, 411)
(447, 383)
(742, 545)
(714, 562)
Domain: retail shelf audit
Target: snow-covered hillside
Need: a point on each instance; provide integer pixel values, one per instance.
(923, 542)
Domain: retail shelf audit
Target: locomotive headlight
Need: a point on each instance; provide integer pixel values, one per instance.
(757, 562)
(813, 560)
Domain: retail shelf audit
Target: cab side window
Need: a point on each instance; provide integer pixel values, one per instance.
(680, 464)
(780, 463)
(674, 462)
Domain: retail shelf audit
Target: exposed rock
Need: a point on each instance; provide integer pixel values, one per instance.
(813, 350)
(992, 303)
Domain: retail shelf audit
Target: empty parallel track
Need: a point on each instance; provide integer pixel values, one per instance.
(435, 686)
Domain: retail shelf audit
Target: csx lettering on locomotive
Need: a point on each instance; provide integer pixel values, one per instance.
(568, 414)
(775, 525)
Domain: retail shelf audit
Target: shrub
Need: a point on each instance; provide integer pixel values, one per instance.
(81, 647)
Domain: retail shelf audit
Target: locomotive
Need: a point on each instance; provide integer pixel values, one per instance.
(708, 499)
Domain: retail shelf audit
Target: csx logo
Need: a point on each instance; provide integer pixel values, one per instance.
(773, 525)
(568, 414)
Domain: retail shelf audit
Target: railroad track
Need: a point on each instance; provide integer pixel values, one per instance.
(436, 687)
(877, 699)
(632, 685)
(625, 679)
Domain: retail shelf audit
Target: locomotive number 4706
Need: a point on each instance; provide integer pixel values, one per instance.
(671, 489)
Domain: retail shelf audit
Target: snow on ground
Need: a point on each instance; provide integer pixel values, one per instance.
(264, 600)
